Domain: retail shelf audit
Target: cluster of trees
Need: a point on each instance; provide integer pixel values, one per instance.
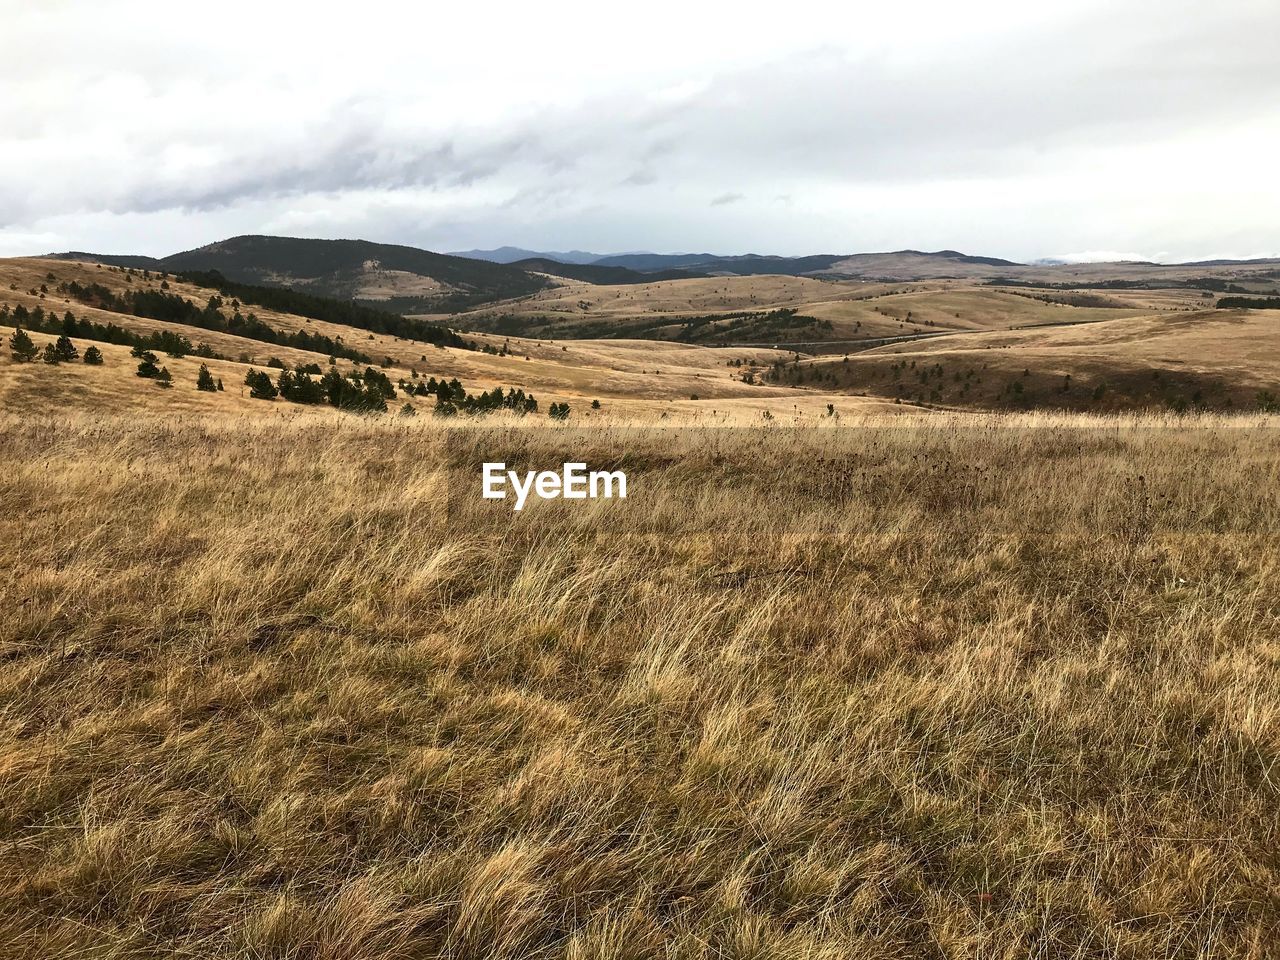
(23, 350)
(165, 341)
(347, 313)
(366, 392)
(559, 411)
(1251, 303)
(148, 370)
(173, 308)
(452, 398)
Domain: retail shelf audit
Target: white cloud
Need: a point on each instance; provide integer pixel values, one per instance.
(997, 127)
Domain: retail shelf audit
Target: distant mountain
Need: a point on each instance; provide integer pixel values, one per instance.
(912, 262)
(606, 276)
(513, 254)
(916, 265)
(397, 278)
(646, 262)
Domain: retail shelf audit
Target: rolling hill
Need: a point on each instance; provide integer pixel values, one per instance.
(396, 277)
(513, 254)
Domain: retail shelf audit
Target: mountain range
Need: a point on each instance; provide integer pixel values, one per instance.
(409, 280)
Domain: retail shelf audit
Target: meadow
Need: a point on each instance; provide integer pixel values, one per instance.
(931, 687)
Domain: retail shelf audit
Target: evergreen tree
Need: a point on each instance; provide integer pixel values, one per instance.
(164, 378)
(260, 385)
(21, 347)
(147, 365)
(204, 380)
(93, 356)
(408, 411)
(219, 384)
(66, 350)
(51, 354)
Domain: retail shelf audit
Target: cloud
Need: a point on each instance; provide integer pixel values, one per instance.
(1005, 129)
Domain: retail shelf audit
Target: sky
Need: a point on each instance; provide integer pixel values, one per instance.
(1085, 130)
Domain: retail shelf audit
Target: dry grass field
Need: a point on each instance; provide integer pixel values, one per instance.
(944, 687)
(1215, 359)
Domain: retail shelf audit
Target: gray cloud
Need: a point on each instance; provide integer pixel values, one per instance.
(1074, 131)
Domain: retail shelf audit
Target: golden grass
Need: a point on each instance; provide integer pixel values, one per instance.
(952, 688)
(1226, 357)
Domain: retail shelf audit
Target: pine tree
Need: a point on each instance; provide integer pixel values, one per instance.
(51, 354)
(147, 366)
(164, 378)
(21, 347)
(219, 383)
(260, 385)
(93, 356)
(204, 380)
(66, 350)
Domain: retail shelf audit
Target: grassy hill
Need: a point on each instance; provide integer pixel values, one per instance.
(399, 278)
(635, 380)
(1210, 360)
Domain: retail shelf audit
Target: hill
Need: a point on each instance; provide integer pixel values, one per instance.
(234, 327)
(1222, 360)
(603, 275)
(513, 254)
(398, 278)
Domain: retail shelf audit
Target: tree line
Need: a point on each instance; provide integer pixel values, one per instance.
(173, 308)
(23, 350)
(348, 314)
(164, 341)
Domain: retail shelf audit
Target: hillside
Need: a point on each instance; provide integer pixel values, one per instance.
(1223, 360)
(603, 275)
(633, 379)
(399, 278)
(513, 254)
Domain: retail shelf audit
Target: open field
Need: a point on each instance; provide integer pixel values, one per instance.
(734, 309)
(1213, 359)
(958, 687)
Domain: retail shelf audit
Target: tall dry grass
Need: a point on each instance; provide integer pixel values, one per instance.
(945, 689)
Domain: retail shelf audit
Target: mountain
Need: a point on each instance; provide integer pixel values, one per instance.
(916, 265)
(513, 254)
(397, 278)
(646, 262)
(901, 263)
(606, 276)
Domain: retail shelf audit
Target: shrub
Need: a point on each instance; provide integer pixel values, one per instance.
(164, 378)
(93, 356)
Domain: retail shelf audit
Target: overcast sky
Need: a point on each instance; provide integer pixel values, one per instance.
(1083, 129)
